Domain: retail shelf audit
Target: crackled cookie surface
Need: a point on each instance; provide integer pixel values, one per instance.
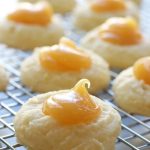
(67, 119)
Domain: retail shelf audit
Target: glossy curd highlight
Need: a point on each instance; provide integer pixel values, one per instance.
(120, 31)
(65, 56)
(74, 106)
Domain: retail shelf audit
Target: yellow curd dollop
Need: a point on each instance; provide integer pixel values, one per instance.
(141, 69)
(74, 106)
(39, 13)
(120, 31)
(108, 5)
(65, 56)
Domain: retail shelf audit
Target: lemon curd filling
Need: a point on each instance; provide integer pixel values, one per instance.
(120, 31)
(141, 70)
(65, 56)
(40, 13)
(108, 5)
(74, 106)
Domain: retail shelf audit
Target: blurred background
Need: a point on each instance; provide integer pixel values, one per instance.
(136, 130)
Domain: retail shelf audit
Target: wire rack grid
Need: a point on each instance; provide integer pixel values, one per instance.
(135, 133)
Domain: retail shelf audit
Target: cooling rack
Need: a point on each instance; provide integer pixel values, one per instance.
(135, 133)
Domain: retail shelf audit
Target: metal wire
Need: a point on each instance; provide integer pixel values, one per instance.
(135, 129)
(135, 133)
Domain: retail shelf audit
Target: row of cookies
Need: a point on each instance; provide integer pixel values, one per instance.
(60, 66)
(22, 25)
(110, 40)
(74, 118)
(74, 113)
(77, 120)
(32, 25)
(61, 7)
